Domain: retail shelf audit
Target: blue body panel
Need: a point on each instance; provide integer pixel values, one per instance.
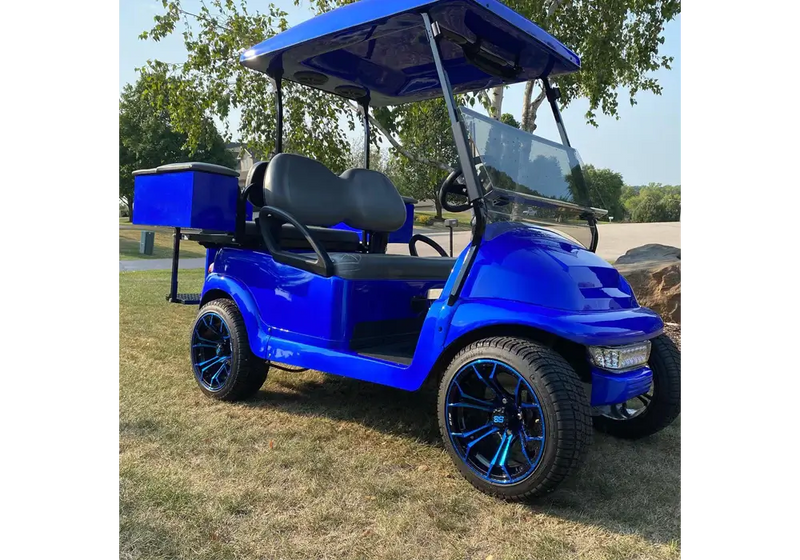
(306, 308)
(380, 46)
(536, 266)
(613, 388)
(530, 276)
(186, 199)
(522, 276)
(257, 329)
(402, 235)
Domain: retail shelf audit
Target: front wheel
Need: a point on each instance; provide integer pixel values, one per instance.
(514, 417)
(659, 407)
(224, 366)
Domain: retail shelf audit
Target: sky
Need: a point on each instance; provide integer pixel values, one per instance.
(643, 144)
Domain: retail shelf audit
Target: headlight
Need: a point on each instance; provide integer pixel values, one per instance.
(619, 358)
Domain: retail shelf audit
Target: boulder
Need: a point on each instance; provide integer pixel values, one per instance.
(654, 273)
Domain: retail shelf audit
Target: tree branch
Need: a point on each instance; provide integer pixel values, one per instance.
(397, 145)
(486, 99)
(529, 124)
(538, 101)
(554, 5)
(207, 20)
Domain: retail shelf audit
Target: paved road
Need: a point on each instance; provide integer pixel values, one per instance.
(615, 241)
(159, 264)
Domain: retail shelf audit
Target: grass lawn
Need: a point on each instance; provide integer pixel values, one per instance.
(317, 466)
(162, 245)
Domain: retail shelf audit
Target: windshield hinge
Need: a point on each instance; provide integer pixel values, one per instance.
(436, 30)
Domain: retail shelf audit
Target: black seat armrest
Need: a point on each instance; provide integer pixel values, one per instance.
(270, 219)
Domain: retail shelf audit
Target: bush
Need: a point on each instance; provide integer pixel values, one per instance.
(424, 220)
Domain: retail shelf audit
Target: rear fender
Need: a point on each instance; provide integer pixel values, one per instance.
(257, 333)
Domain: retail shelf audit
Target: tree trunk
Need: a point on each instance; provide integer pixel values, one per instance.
(529, 108)
(497, 102)
(438, 208)
(526, 105)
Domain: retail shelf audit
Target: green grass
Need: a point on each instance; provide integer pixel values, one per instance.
(162, 246)
(317, 466)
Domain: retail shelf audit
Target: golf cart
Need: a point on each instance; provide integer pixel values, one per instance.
(530, 336)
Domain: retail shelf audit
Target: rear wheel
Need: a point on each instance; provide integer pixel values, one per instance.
(224, 366)
(659, 407)
(514, 417)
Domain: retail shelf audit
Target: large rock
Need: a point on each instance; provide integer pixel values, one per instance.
(654, 273)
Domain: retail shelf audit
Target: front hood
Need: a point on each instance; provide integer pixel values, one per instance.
(525, 263)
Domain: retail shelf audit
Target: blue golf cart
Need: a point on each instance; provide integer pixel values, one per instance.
(531, 338)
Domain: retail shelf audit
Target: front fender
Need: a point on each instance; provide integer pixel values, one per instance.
(593, 328)
(257, 333)
(528, 264)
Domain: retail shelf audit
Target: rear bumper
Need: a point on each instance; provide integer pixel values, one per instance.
(612, 388)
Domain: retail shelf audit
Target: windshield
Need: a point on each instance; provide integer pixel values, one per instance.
(529, 179)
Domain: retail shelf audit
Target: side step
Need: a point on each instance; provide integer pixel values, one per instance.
(186, 299)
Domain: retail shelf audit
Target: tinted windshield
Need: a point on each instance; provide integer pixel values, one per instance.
(528, 178)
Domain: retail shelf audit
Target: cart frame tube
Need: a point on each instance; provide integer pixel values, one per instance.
(474, 187)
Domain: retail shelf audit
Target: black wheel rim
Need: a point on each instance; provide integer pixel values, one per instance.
(631, 408)
(212, 352)
(495, 422)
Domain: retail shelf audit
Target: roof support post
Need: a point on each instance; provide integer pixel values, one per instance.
(277, 76)
(552, 96)
(365, 116)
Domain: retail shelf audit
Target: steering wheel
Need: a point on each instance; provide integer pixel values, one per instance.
(450, 187)
(412, 245)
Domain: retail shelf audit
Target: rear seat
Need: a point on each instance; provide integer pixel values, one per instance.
(342, 240)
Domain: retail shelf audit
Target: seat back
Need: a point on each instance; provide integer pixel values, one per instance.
(256, 176)
(363, 199)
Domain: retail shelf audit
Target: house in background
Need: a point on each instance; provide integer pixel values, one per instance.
(245, 159)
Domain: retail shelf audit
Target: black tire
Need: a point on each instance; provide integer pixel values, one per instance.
(665, 404)
(247, 371)
(563, 405)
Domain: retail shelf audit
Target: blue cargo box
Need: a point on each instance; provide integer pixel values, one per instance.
(402, 235)
(186, 195)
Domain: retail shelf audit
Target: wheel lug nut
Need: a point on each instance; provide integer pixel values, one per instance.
(505, 401)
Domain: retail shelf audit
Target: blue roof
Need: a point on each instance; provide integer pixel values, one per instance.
(379, 47)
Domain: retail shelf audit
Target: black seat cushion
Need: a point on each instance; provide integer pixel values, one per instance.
(364, 199)
(375, 266)
(330, 239)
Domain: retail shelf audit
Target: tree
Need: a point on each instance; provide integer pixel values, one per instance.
(148, 138)
(424, 129)
(605, 189)
(211, 83)
(628, 193)
(509, 119)
(378, 159)
(653, 203)
(617, 40)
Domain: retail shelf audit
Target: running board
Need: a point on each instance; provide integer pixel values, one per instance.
(185, 299)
